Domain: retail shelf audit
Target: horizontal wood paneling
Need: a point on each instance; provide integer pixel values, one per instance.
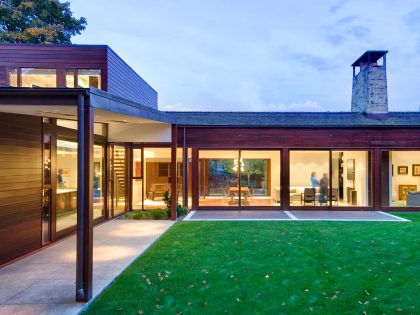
(20, 185)
(53, 56)
(123, 81)
(300, 138)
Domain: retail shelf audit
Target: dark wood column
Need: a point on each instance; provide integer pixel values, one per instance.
(84, 251)
(285, 179)
(194, 179)
(376, 174)
(174, 200)
(184, 171)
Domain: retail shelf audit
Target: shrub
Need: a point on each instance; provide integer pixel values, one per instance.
(180, 210)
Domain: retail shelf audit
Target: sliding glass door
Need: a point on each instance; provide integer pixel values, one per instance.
(239, 178)
(309, 178)
(330, 178)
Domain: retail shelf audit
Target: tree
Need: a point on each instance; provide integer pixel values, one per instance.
(38, 22)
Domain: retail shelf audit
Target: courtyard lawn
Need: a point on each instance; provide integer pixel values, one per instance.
(273, 268)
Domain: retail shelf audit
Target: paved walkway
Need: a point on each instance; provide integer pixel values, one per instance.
(44, 283)
(292, 215)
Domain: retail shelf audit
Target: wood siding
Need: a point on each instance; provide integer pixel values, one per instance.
(117, 77)
(267, 138)
(123, 81)
(53, 56)
(20, 185)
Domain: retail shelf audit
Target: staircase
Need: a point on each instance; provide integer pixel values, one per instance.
(119, 171)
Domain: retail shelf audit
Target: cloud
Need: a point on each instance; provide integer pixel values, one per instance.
(310, 106)
(412, 19)
(338, 6)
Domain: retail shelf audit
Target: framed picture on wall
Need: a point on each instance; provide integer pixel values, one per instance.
(416, 170)
(403, 170)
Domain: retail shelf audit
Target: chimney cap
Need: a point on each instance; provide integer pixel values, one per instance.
(370, 56)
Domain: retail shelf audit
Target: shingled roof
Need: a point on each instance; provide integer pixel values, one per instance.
(295, 119)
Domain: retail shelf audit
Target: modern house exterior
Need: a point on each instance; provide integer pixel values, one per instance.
(83, 141)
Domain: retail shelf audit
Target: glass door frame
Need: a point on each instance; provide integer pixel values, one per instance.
(196, 180)
(110, 180)
(132, 177)
(330, 206)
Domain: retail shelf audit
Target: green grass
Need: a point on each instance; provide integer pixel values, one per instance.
(273, 268)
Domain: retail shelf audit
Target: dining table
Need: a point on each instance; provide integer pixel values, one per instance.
(234, 191)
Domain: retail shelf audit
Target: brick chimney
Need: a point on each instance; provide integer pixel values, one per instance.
(369, 93)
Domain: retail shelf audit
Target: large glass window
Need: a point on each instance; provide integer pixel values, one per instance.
(66, 184)
(137, 180)
(401, 178)
(32, 77)
(243, 178)
(98, 128)
(119, 177)
(13, 77)
(89, 78)
(260, 178)
(218, 177)
(309, 178)
(350, 178)
(157, 176)
(98, 181)
(70, 78)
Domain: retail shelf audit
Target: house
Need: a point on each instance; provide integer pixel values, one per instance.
(82, 141)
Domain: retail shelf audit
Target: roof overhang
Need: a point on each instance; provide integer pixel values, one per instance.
(62, 103)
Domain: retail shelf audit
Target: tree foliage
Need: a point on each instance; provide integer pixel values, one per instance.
(38, 22)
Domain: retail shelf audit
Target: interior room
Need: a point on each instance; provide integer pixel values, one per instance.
(310, 178)
(404, 179)
(221, 172)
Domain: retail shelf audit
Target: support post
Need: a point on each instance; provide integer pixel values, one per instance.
(285, 180)
(194, 179)
(84, 250)
(174, 194)
(185, 171)
(376, 179)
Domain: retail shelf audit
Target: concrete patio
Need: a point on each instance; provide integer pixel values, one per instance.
(44, 283)
(292, 215)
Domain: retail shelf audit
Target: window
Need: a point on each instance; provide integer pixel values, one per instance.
(98, 128)
(156, 174)
(89, 78)
(309, 178)
(32, 77)
(66, 184)
(70, 79)
(13, 77)
(400, 178)
(98, 181)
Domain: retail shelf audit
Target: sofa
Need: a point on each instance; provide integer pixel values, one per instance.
(413, 199)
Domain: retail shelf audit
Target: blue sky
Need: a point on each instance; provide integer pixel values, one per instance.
(261, 55)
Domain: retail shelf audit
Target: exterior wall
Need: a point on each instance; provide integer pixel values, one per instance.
(213, 137)
(370, 91)
(117, 77)
(20, 185)
(52, 56)
(123, 81)
(120, 132)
